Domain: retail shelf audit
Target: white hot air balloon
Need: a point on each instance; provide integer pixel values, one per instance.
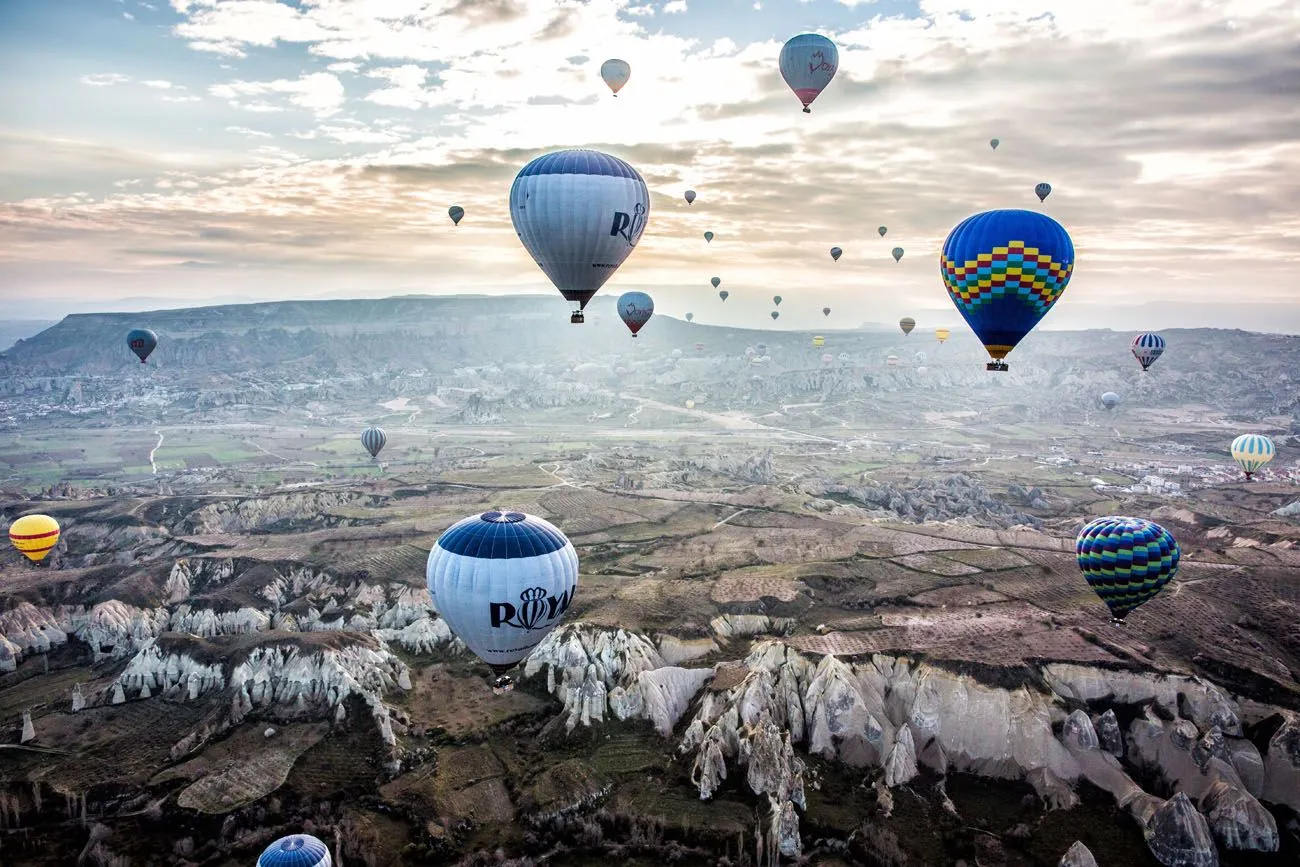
(615, 73)
(502, 580)
(580, 213)
(808, 63)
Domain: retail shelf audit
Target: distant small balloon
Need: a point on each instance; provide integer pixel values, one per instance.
(907, 323)
(456, 212)
(1043, 191)
(993, 143)
(836, 252)
(897, 253)
(826, 311)
(942, 334)
(1110, 400)
(708, 236)
(690, 196)
(635, 309)
(716, 281)
(882, 230)
(776, 299)
(892, 361)
(615, 74)
(724, 294)
(808, 63)
(142, 341)
(775, 315)
(690, 316)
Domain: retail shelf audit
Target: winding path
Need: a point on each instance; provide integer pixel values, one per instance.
(153, 451)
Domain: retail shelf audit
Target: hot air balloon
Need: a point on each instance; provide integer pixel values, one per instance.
(635, 309)
(1252, 451)
(775, 315)
(1126, 561)
(1147, 347)
(827, 358)
(35, 536)
(907, 323)
(993, 143)
(892, 361)
(455, 212)
(579, 213)
(808, 63)
(690, 196)
(1110, 400)
(699, 347)
(708, 236)
(690, 316)
(502, 580)
(690, 404)
(676, 353)
(142, 342)
(373, 439)
(1004, 270)
(836, 253)
(942, 334)
(897, 253)
(298, 850)
(724, 294)
(826, 311)
(716, 281)
(776, 299)
(615, 73)
(882, 230)
(1043, 191)
(819, 340)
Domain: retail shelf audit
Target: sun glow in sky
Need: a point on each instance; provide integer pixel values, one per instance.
(174, 154)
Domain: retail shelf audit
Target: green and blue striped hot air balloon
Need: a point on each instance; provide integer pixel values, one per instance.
(1126, 561)
(1252, 451)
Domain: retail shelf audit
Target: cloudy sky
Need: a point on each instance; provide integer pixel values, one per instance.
(195, 151)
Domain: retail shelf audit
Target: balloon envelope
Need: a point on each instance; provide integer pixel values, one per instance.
(775, 315)
(942, 334)
(907, 323)
(724, 294)
(297, 850)
(690, 316)
(716, 281)
(635, 309)
(142, 341)
(1147, 347)
(819, 340)
(708, 236)
(1004, 270)
(373, 438)
(836, 252)
(1110, 400)
(580, 213)
(35, 536)
(808, 63)
(1126, 561)
(456, 212)
(897, 253)
(776, 299)
(826, 311)
(1043, 191)
(615, 73)
(882, 230)
(1252, 451)
(690, 196)
(502, 581)
(993, 143)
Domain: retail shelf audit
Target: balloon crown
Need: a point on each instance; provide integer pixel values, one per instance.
(496, 516)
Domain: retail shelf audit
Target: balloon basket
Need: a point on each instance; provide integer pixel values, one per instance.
(577, 318)
(997, 365)
(1117, 621)
(502, 685)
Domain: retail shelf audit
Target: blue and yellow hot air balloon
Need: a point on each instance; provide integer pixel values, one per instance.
(35, 536)
(1004, 270)
(1126, 561)
(1252, 451)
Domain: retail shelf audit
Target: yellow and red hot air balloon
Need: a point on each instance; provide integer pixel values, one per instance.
(35, 536)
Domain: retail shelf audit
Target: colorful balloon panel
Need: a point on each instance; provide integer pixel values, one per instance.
(1004, 270)
(34, 536)
(502, 581)
(1126, 561)
(808, 63)
(580, 214)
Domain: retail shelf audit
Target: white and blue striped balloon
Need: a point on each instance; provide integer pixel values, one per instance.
(373, 439)
(1252, 451)
(580, 213)
(502, 580)
(1147, 347)
(297, 850)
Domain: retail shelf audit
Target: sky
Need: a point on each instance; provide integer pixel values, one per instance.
(170, 154)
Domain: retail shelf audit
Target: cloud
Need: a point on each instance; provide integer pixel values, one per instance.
(1170, 132)
(104, 79)
(319, 92)
(159, 84)
(674, 7)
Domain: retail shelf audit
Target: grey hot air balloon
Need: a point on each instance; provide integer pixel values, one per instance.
(1043, 191)
(373, 439)
(716, 281)
(907, 323)
(708, 236)
(456, 212)
(1110, 400)
(993, 143)
(690, 196)
(776, 299)
(690, 316)
(142, 342)
(775, 315)
(724, 294)
(897, 253)
(882, 230)
(826, 311)
(836, 253)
